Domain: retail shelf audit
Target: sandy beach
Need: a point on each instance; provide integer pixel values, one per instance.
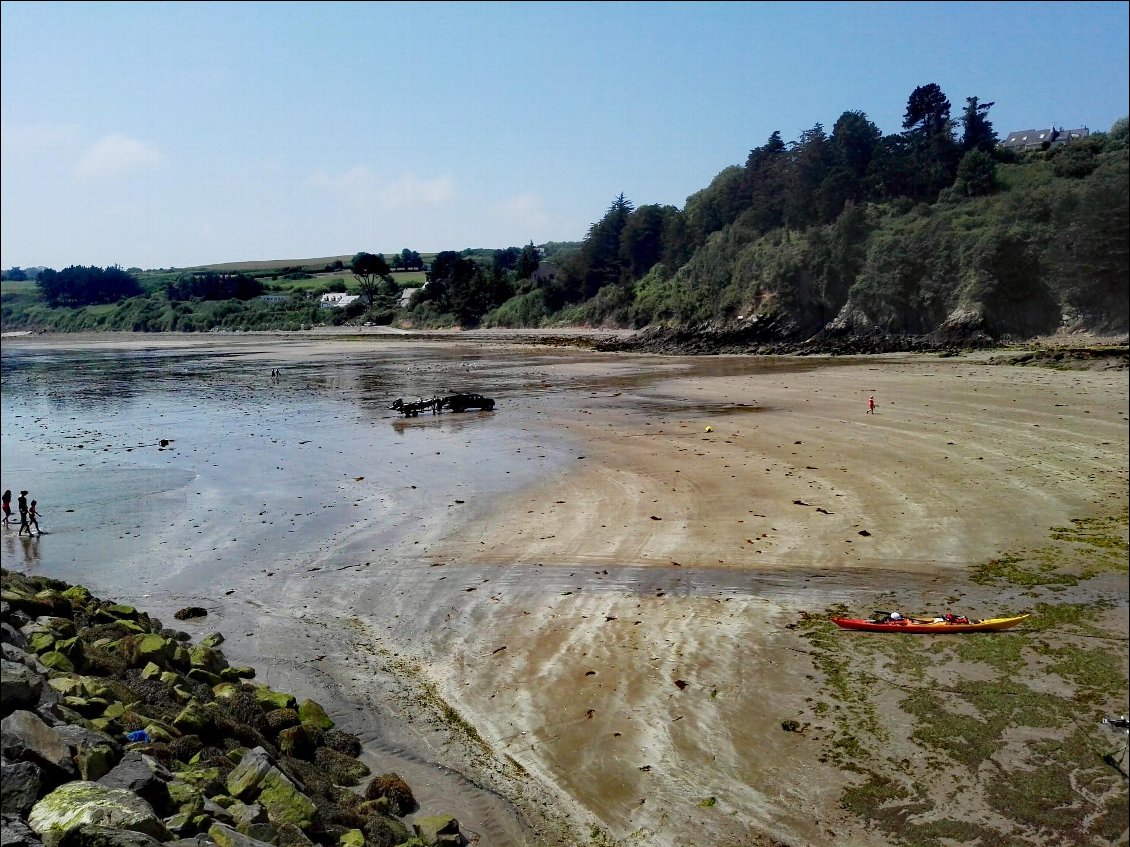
(607, 649)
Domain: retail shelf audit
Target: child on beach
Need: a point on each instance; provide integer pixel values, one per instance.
(22, 503)
(33, 519)
(871, 405)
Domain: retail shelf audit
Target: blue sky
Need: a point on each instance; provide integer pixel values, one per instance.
(171, 135)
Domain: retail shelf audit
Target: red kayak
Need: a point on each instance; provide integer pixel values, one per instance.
(923, 626)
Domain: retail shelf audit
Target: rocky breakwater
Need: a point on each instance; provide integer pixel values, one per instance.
(119, 732)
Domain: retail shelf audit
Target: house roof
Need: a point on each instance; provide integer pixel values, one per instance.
(1039, 137)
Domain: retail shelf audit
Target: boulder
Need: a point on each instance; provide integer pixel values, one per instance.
(19, 787)
(245, 778)
(312, 713)
(184, 824)
(94, 835)
(255, 778)
(270, 699)
(340, 768)
(393, 787)
(57, 661)
(300, 741)
(15, 833)
(25, 737)
(81, 803)
(212, 641)
(207, 659)
(94, 753)
(252, 820)
(225, 836)
(10, 635)
(200, 840)
(197, 718)
(19, 686)
(436, 830)
(284, 802)
(209, 781)
(144, 776)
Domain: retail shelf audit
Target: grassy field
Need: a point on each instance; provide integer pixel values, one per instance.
(308, 265)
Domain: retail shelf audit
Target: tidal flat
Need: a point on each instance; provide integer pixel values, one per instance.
(598, 614)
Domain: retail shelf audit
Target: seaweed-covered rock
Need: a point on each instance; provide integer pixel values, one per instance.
(226, 836)
(392, 787)
(212, 641)
(139, 650)
(342, 769)
(280, 719)
(185, 747)
(343, 742)
(80, 803)
(381, 831)
(190, 612)
(438, 830)
(284, 802)
(111, 670)
(300, 741)
(94, 753)
(270, 699)
(312, 713)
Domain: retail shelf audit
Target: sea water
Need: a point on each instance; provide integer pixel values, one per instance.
(157, 469)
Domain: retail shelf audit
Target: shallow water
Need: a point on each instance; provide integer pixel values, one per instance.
(166, 469)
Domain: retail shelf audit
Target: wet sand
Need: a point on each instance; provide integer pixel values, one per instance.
(615, 628)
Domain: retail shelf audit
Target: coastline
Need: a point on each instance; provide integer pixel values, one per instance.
(670, 552)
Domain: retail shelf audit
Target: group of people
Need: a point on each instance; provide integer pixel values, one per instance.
(29, 513)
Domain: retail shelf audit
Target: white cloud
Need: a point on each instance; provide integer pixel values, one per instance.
(117, 155)
(362, 186)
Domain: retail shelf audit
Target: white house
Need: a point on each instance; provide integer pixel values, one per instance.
(337, 300)
(406, 295)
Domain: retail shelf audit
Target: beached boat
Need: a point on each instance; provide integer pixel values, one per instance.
(919, 625)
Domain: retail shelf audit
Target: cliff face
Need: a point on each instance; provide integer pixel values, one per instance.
(1045, 253)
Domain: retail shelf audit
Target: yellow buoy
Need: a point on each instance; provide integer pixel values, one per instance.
(710, 429)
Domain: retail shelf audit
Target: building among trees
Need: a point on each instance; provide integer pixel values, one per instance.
(1027, 140)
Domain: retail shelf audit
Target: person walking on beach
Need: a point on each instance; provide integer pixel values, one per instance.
(871, 405)
(22, 503)
(33, 519)
(7, 506)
